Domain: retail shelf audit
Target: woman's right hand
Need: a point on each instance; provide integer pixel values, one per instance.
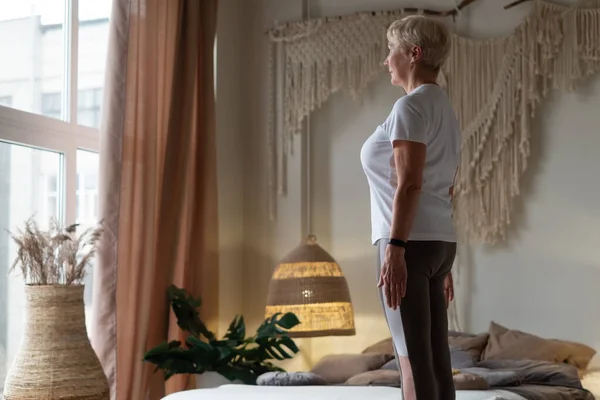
(393, 276)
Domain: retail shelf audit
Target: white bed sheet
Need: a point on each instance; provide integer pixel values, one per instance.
(249, 392)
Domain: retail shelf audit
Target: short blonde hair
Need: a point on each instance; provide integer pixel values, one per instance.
(431, 36)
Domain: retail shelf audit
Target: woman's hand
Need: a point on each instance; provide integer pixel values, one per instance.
(449, 289)
(393, 276)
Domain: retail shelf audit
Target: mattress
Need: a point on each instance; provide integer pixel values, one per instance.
(248, 392)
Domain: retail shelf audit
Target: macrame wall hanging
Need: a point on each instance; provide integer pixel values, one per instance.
(495, 86)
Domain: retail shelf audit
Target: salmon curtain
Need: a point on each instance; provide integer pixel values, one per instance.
(157, 186)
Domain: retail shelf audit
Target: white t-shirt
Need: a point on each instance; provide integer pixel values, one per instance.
(425, 115)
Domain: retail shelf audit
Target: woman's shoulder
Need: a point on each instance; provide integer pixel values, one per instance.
(409, 104)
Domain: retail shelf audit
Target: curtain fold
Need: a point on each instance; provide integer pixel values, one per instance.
(157, 186)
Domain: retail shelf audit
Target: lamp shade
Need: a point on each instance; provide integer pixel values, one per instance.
(310, 283)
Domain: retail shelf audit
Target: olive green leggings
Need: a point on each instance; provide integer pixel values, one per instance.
(419, 327)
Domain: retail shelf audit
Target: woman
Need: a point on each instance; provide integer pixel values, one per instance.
(410, 163)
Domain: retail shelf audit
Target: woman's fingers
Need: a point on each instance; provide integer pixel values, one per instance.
(386, 292)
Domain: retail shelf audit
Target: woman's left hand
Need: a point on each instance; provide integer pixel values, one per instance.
(449, 289)
(393, 276)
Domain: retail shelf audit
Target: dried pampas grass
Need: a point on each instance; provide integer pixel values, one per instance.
(56, 256)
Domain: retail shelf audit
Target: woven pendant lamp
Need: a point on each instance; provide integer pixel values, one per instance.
(310, 283)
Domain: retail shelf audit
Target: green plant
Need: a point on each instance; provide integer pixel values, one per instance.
(235, 356)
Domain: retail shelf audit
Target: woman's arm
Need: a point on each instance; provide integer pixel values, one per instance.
(409, 157)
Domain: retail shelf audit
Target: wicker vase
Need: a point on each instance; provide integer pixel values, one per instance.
(56, 359)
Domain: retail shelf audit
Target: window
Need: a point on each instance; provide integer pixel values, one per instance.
(50, 111)
(88, 107)
(51, 105)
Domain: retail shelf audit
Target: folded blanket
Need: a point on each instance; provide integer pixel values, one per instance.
(496, 378)
(541, 380)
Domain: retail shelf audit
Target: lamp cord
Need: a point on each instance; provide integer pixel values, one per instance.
(307, 228)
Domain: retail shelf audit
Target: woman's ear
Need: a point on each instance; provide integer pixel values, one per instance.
(416, 52)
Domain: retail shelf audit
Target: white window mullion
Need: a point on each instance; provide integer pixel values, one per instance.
(71, 184)
(70, 106)
(71, 75)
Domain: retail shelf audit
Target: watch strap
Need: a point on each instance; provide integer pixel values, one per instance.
(397, 243)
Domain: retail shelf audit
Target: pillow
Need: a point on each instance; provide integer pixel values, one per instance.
(461, 359)
(379, 377)
(338, 368)
(391, 365)
(458, 333)
(385, 346)
(580, 355)
(472, 344)
(513, 344)
(469, 382)
(594, 364)
(289, 379)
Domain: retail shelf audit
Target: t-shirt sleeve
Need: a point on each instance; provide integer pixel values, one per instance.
(407, 122)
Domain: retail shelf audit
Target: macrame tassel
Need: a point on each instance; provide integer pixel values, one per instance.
(495, 86)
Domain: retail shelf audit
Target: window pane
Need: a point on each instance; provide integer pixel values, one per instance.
(26, 177)
(93, 43)
(32, 37)
(87, 211)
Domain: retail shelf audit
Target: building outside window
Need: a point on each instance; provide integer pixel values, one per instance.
(50, 111)
(88, 107)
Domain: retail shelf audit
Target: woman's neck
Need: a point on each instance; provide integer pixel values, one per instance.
(420, 77)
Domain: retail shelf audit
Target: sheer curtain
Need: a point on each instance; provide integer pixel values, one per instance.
(157, 185)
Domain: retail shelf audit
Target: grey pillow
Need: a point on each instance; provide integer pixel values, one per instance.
(391, 365)
(289, 379)
(460, 358)
(338, 368)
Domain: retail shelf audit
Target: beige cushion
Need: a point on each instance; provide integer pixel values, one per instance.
(338, 368)
(380, 377)
(579, 354)
(473, 344)
(385, 346)
(469, 382)
(505, 343)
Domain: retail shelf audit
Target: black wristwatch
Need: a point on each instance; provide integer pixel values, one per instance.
(397, 243)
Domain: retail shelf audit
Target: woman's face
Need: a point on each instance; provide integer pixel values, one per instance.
(398, 63)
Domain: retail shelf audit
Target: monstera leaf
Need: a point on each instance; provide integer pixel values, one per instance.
(172, 359)
(235, 356)
(237, 330)
(185, 306)
(277, 324)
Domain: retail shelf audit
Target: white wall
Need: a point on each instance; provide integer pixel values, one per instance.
(542, 280)
(230, 131)
(545, 279)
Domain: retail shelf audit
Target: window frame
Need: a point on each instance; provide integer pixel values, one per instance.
(64, 136)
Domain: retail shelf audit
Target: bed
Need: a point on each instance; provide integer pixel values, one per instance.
(500, 364)
(243, 392)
